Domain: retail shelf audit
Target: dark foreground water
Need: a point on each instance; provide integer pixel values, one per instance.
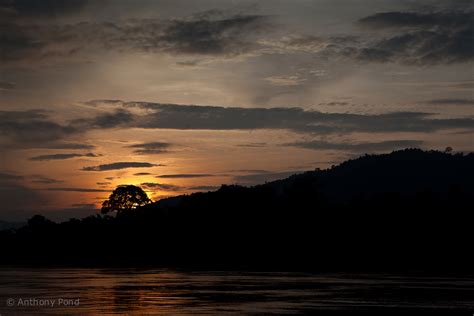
(128, 291)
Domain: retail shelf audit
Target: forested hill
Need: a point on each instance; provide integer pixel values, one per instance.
(406, 210)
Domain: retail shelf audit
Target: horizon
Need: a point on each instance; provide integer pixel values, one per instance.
(179, 96)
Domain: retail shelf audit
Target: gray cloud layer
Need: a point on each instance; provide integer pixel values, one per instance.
(419, 38)
(415, 38)
(35, 129)
(221, 118)
(208, 34)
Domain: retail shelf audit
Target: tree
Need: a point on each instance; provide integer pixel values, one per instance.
(125, 198)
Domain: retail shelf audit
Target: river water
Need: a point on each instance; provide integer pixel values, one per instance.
(169, 292)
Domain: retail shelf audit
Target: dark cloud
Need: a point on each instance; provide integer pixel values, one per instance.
(76, 190)
(366, 147)
(189, 117)
(142, 174)
(117, 118)
(44, 180)
(119, 165)
(419, 38)
(150, 148)
(61, 156)
(9, 177)
(42, 8)
(452, 101)
(103, 183)
(35, 129)
(160, 186)
(214, 35)
(224, 36)
(32, 126)
(185, 175)
(398, 20)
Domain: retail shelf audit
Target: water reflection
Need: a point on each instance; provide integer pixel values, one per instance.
(118, 291)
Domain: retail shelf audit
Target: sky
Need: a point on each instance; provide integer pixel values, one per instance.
(180, 96)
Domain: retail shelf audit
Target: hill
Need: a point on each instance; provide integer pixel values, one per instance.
(407, 210)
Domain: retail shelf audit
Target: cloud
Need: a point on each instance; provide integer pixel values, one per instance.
(188, 117)
(117, 118)
(416, 19)
(43, 8)
(452, 101)
(9, 177)
(32, 126)
(442, 37)
(119, 165)
(209, 35)
(361, 147)
(76, 190)
(44, 180)
(61, 156)
(142, 174)
(103, 183)
(150, 148)
(160, 186)
(185, 175)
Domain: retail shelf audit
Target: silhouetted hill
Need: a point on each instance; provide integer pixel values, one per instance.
(408, 210)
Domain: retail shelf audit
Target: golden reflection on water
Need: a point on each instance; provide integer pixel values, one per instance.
(137, 291)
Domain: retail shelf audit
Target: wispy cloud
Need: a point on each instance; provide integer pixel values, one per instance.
(61, 156)
(160, 186)
(152, 148)
(119, 165)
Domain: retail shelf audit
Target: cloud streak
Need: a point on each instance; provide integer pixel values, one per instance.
(160, 186)
(188, 117)
(119, 166)
(153, 148)
(61, 156)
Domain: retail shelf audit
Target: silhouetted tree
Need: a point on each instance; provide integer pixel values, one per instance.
(125, 198)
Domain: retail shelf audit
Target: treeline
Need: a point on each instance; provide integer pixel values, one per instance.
(408, 210)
